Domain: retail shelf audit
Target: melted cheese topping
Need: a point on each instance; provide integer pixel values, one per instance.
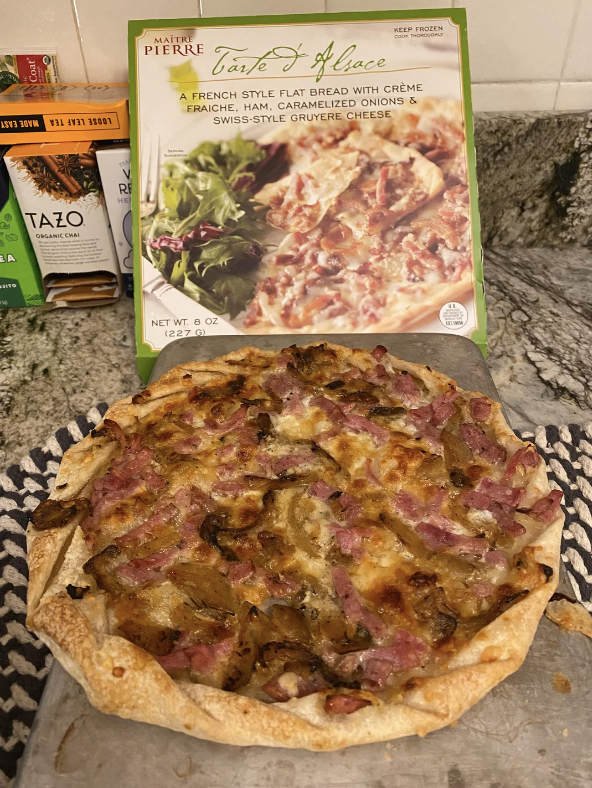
(314, 517)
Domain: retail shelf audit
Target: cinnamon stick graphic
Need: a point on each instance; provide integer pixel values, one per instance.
(70, 185)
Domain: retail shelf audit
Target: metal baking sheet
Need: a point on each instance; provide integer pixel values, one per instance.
(523, 734)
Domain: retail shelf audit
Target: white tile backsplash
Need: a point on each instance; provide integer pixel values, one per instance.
(334, 6)
(525, 54)
(253, 7)
(507, 97)
(574, 95)
(578, 63)
(103, 31)
(516, 40)
(50, 24)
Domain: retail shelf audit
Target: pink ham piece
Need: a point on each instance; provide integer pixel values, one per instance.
(487, 491)
(478, 441)
(479, 408)
(482, 590)
(351, 507)
(187, 445)
(379, 352)
(203, 659)
(526, 456)
(370, 475)
(511, 496)
(350, 539)
(406, 651)
(280, 587)
(327, 435)
(282, 464)
(228, 488)
(191, 500)
(408, 506)
(283, 385)
(546, 509)
(294, 405)
(152, 479)
(437, 539)
(291, 685)
(424, 413)
(146, 570)
(149, 528)
(352, 374)
(496, 558)
(234, 422)
(353, 608)
(344, 704)
(322, 490)
(188, 416)
(361, 424)
(378, 376)
(331, 409)
(227, 470)
(404, 386)
(504, 516)
(475, 500)
(239, 571)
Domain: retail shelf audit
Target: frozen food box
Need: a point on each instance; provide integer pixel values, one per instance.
(63, 113)
(59, 191)
(303, 174)
(20, 280)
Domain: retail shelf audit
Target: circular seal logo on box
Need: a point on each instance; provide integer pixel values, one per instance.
(453, 315)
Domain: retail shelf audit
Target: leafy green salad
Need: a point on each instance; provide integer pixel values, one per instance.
(205, 236)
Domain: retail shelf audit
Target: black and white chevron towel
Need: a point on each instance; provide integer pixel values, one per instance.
(25, 661)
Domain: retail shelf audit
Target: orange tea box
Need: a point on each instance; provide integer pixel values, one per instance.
(64, 113)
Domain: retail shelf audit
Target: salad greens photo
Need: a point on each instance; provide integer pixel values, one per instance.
(205, 237)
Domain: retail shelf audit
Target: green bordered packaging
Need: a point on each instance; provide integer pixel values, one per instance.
(303, 174)
(20, 279)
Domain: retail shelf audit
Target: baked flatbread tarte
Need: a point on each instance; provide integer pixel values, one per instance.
(315, 548)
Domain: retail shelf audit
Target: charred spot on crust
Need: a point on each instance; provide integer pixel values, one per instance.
(57, 514)
(335, 384)
(547, 571)
(61, 486)
(76, 592)
(98, 432)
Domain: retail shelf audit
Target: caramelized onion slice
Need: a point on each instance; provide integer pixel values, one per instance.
(57, 514)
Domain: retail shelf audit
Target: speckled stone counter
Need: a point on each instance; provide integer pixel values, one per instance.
(58, 364)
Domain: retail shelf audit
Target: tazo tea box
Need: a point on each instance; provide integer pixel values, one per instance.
(114, 166)
(20, 280)
(303, 175)
(38, 67)
(59, 191)
(54, 113)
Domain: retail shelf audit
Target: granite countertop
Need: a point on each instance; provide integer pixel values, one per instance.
(56, 365)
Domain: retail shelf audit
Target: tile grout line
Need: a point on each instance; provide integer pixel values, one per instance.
(79, 35)
(570, 38)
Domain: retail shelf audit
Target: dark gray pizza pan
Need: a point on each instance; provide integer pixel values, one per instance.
(523, 734)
